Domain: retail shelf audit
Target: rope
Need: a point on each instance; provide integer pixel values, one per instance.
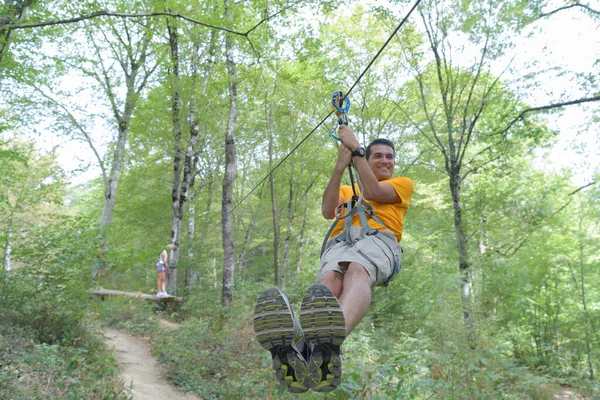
(327, 116)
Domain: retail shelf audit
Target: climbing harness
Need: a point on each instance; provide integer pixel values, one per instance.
(356, 204)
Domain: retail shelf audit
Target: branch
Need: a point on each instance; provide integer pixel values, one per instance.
(569, 202)
(268, 17)
(583, 187)
(69, 115)
(585, 6)
(105, 13)
(547, 107)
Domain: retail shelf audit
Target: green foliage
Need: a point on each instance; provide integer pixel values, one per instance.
(127, 314)
(49, 351)
(532, 238)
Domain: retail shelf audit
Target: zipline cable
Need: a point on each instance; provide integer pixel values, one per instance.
(327, 116)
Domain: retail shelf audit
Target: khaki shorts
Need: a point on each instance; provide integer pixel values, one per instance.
(371, 252)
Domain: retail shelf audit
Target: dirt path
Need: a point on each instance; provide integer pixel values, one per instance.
(567, 394)
(141, 372)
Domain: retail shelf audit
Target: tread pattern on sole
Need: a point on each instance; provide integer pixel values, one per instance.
(275, 331)
(321, 316)
(273, 322)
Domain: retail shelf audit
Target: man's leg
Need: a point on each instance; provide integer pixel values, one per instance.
(353, 291)
(355, 299)
(334, 281)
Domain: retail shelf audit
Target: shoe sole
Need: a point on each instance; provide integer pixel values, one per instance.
(274, 326)
(323, 322)
(273, 321)
(321, 316)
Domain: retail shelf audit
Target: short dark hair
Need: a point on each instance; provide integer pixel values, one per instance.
(382, 141)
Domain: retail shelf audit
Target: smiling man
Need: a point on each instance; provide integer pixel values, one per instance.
(362, 252)
(353, 262)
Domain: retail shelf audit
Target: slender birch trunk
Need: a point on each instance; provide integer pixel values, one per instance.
(277, 277)
(230, 170)
(289, 230)
(466, 273)
(301, 244)
(8, 245)
(177, 157)
(181, 185)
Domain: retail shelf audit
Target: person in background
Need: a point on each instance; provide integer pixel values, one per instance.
(163, 271)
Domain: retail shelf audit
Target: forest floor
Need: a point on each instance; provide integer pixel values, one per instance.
(142, 374)
(564, 393)
(144, 377)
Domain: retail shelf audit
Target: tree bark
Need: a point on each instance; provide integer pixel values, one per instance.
(301, 244)
(277, 278)
(181, 184)
(466, 273)
(177, 158)
(289, 230)
(230, 170)
(8, 245)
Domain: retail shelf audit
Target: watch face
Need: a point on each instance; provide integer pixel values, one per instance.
(359, 152)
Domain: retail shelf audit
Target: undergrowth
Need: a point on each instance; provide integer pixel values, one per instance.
(64, 359)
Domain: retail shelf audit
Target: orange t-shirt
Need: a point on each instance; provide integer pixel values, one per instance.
(391, 214)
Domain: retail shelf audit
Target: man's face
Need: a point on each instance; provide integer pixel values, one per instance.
(382, 161)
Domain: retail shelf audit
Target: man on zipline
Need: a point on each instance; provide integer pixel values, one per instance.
(362, 252)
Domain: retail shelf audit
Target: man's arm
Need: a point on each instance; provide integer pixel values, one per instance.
(331, 194)
(372, 189)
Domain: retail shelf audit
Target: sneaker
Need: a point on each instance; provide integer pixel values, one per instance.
(325, 328)
(278, 330)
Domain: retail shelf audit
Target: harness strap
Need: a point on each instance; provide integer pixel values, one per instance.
(356, 204)
(363, 209)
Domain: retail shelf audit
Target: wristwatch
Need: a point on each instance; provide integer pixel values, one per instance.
(359, 152)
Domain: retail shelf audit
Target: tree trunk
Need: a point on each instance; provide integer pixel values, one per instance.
(290, 221)
(466, 273)
(209, 60)
(230, 171)
(177, 158)
(191, 226)
(181, 185)
(301, 244)
(247, 235)
(277, 277)
(244, 250)
(8, 246)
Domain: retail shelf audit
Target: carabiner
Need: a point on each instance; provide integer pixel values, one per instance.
(341, 106)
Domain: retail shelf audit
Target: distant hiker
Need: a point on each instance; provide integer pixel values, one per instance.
(162, 269)
(362, 252)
